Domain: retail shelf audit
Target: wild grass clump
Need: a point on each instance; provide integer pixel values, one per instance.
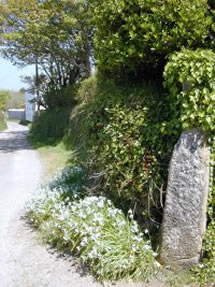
(110, 242)
(2, 122)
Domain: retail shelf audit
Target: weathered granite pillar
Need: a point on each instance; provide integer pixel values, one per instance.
(184, 221)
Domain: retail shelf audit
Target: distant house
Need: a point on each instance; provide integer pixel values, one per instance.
(30, 106)
(28, 113)
(16, 114)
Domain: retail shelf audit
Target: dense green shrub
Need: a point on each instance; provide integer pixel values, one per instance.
(63, 98)
(50, 126)
(92, 228)
(77, 134)
(135, 36)
(126, 144)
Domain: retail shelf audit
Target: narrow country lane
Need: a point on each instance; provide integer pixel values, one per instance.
(19, 173)
(24, 262)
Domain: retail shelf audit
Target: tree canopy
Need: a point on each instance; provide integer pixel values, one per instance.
(54, 34)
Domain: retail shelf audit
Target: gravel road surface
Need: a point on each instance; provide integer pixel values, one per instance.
(24, 262)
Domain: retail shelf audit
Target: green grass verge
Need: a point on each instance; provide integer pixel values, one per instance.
(53, 157)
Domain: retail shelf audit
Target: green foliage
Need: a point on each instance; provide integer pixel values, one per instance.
(55, 34)
(70, 182)
(126, 144)
(189, 77)
(2, 122)
(50, 126)
(87, 90)
(76, 136)
(63, 98)
(92, 228)
(4, 97)
(135, 36)
(205, 272)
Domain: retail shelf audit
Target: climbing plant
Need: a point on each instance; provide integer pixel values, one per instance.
(190, 79)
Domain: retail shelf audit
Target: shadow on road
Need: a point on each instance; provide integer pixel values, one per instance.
(14, 140)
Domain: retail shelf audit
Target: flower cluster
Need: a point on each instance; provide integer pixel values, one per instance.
(69, 180)
(110, 242)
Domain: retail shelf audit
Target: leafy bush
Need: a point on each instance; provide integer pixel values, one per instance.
(50, 126)
(87, 90)
(136, 36)
(63, 98)
(189, 77)
(126, 143)
(76, 136)
(92, 228)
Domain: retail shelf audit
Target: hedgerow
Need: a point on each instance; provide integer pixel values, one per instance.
(50, 126)
(128, 149)
(135, 37)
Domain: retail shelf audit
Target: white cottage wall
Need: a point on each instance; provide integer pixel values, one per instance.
(30, 106)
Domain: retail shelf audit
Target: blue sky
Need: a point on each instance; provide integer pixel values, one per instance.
(10, 75)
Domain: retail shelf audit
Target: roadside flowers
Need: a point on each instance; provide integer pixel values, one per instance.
(91, 227)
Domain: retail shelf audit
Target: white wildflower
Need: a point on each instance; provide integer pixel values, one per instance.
(147, 247)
